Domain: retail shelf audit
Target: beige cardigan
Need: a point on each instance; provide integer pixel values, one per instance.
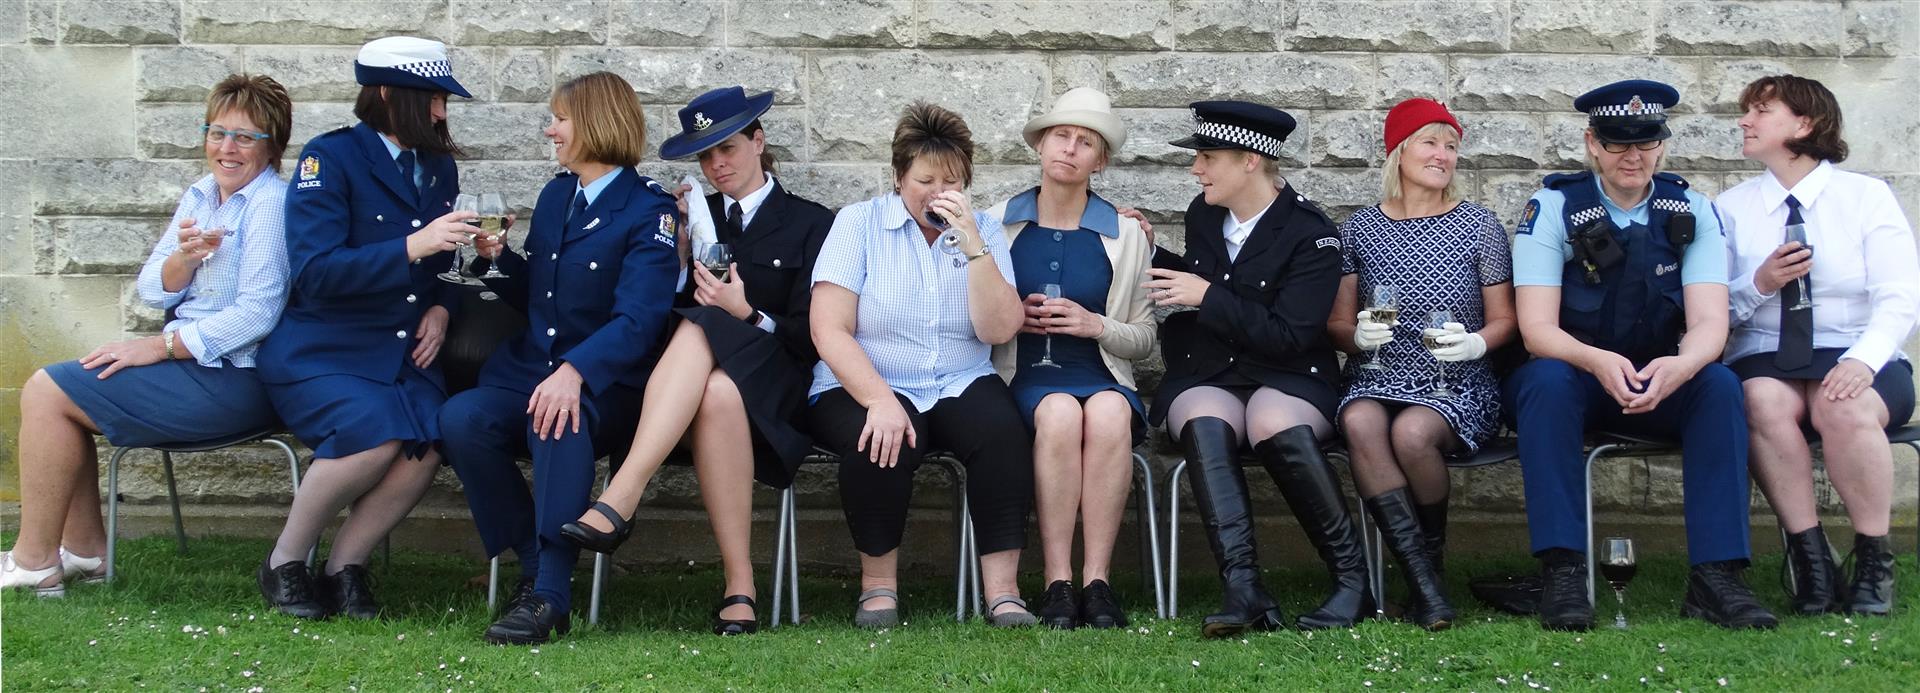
(1128, 334)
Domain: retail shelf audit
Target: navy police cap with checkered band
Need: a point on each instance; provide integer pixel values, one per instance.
(1238, 125)
(1629, 111)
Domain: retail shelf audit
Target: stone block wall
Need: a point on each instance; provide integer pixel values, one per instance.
(106, 95)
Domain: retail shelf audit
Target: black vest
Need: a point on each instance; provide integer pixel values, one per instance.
(1636, 309)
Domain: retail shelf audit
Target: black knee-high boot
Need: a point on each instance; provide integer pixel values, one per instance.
(1393, 513)
(1220, 490)
(1433, 525)
(1307, 481)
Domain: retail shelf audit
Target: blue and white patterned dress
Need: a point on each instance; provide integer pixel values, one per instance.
(1436, 263)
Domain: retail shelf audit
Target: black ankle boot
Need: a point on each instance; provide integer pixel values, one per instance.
(1871, 591)
(1433, 525)
(1816, 580)
(1293, 458)
(1220, 491)
(1393, 513)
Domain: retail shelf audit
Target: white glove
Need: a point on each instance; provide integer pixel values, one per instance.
(1459, 344)
(1370, 334)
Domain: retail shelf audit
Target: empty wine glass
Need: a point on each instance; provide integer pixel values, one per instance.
(1051, 291)
(1429, 337)
(493, 216)
(456, 273)
(1617, 566)
(213, 238)
(1383, 303)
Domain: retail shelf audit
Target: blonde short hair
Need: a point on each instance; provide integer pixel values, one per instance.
(1390, 183)
(607, 121)
(926, 130)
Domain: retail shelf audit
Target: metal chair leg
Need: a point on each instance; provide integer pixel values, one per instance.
(599, 567)
(780, 554)
(1150, 528)
(113, 508)
(963, 543)
(1173, 539)
(793, 556)
(493, 583)
(173, 499)
(1591, 457)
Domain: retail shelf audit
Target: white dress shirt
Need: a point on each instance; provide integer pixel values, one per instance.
(1865, 279)
(1237, 231)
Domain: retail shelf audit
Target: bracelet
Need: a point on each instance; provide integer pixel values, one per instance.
(984, 251)
(168, 338)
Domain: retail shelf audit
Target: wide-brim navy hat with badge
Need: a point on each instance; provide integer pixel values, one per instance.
(405, 61)
(713, 117)
(1238, 125)
(1630, 111)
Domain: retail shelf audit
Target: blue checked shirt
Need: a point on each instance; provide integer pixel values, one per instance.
(235, 298)
(912, 320)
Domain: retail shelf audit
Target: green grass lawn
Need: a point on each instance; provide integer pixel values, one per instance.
(196, 622)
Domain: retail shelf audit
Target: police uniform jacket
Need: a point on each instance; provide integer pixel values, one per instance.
(1265, 316)
(774, 256)
(355, 299)
(596, 288)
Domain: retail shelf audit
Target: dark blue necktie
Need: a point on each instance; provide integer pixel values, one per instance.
(734, 225)
(406, 170)
(579, 207)
(1796, 326)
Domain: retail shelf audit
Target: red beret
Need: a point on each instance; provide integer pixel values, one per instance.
(1407, 117)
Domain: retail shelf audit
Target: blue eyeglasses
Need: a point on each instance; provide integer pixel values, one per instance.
(245, 139)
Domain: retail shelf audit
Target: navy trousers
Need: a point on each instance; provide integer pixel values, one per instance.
(1552, 405)
(487, 429)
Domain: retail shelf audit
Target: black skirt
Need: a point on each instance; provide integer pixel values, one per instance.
(1314, 390)
(1894, 382)
(772, 384)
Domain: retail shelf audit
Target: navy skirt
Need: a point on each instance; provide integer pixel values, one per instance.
(1894, 382)
(340, 415)
(167, 402)
(1029, 399)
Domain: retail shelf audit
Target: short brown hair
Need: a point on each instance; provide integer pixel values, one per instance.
(406, 114)
(607, 121)
(1811, 100)
(929, 130)
(263, 101)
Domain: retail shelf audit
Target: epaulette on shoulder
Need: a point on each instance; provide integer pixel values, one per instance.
(1673, 178)
(1560, 180)
(1302, 202)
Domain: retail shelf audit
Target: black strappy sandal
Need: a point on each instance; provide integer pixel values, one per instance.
(723, 626)
(591, 539)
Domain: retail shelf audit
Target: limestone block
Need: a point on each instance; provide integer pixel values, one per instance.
(1506, 193)
(1882, 28)
(346, 22)
(1566, 141)
(314, 73)
(312, 119)
(1338, 191)
(170, 130)
(676, 76)
(43, 23)
(48, 319)
(524, 74)
(1550, 82)
(480, 23)
(1875, 94)
(1731, 27)
(1407, 75)
(237, 475)
(10, 445)
(1348, 138)
(1422, 25)
(1072, 70)
(1162, 192)
(1705, 142)
(518, 182)
(137, 317)
(1149, 130)
(1906, 188)
(1229, 25)
(677, 24)
(93, 114)
(1501, 140)
(1048, 24)
(102, 245)
(821, 23)
(1723, 81)
(1289, 81)
(120, 21)
(183, 73)
(111, 186)
(15, 21)
(858, 98)
(496, 131)
(836, 185)
(1583, 26)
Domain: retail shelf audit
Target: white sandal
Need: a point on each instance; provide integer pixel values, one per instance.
(13, 576)
(86, 571)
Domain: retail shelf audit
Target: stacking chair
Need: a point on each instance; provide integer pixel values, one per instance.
(1172, 608)
(1908, 435)
(1496, 450)
(264, 436)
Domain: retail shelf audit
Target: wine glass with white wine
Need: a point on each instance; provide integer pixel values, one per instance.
(1430, 338)
(1384, 304)
(455, 273)
(1051, 291)
(493, 217)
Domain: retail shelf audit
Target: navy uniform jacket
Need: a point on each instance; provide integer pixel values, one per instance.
(1266, 312)
(596, 289)
(775, 256)
(355, 300)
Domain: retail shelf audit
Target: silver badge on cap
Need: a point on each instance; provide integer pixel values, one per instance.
(701, 121)
(1635, 105)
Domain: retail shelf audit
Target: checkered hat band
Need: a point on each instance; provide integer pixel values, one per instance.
(1587, 215)
(1264, 144)
(1672, 206)
(1624, 110)
(427, 68)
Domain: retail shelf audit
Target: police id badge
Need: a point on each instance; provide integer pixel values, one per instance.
(309, 173)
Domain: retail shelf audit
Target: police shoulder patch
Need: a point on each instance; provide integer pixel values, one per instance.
(309, 175)
(1527, 217)
(1328, 242)
(666, 231)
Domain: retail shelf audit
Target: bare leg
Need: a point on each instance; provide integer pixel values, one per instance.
(1777, 452)
(999, 573)
(85, 533)
(56, 456)
(672, 398)
(724, 464)
(884, 571)
(1107, 458)
(1853, 432)
(1057, 480)
(377, 512)
(329, 485)
(1420, 437)
(1370, 448)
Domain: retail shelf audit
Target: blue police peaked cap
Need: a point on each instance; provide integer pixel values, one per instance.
(405, 61)
(1630, 111)
(713, 117)
(1238, 125)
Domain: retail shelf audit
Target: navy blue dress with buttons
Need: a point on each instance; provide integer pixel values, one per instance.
(339, 366)
(1077, 261)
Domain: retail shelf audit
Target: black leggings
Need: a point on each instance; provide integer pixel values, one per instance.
(982, 427)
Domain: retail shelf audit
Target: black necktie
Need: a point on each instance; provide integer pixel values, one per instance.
(406, 170)
(1796, 326)
(732, 228)
(579, 207)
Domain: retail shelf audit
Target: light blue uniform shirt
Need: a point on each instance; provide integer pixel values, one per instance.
(593, 189)
(236, 296)
(912, 320)
(1541, 251)
(393, 150)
